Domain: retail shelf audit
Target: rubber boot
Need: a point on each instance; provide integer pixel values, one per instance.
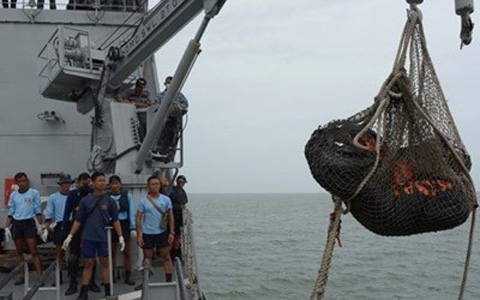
(83, 293)
(61, 280)
(73, 273)
(92, 286)
(107, 289)
(72, 288)
(128, 278)
(139, 287)
(19, 281)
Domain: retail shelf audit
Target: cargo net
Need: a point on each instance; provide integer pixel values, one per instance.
(400, 165)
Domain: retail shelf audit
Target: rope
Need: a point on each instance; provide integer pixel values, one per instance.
(466, 268)
(322, 278)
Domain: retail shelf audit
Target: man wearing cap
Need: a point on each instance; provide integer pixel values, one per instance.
(179, 199)
(139, 97)
(25, 217)
(126, 215)
(71, 205)
(54, 215)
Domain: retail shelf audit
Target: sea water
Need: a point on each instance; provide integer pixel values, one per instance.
(269, 246)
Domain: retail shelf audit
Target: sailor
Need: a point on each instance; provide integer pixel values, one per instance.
(71, 205)
(40, 4)
(54, 215)
(25, 219)
(139, 97)
(155, 226)
(13, 3)
(173, 127)
(126, 215)
(95, 212)
(179, 199)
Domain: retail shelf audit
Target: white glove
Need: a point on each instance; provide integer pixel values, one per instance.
(38, 226)
(8, 235)
(133, 234)
(45, 235)
(67, 242)
(121, 241)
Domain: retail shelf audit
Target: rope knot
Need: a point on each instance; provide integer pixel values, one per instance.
(338, 239)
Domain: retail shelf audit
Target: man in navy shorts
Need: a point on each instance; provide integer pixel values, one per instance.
(155, 226)
(71, 205)
(95, 211)
(54, 215)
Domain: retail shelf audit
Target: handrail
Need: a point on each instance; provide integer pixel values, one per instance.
(110, 258)
(13, 273)
(41, 282)
(146, 280)
(180, 279)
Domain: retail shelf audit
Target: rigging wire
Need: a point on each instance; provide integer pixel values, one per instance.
(123, 25)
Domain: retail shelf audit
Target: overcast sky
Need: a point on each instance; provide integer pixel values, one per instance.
(273, 71)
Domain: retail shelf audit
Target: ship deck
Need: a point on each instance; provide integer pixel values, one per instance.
(122, 290)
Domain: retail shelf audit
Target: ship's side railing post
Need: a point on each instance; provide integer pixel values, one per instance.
(110, 256)
(146, 280)
(38, 285)
(13, 273)
(180, 278)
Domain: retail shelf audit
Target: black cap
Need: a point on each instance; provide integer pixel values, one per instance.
(65, 178)
(141, 81)
(114, 178)
(182, 177)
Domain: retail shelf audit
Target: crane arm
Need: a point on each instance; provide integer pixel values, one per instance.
(158, 27)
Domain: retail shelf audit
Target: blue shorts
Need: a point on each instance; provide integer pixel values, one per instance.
(90, 249)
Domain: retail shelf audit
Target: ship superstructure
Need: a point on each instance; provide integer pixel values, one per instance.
(61, 72)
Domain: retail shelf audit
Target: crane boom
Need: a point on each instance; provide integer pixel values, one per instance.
(159, 26)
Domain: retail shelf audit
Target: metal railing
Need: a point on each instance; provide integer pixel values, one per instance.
(146, 280)
(22, 266)
(179, 277)
(107, 5)
(38, 286)
(110, 256)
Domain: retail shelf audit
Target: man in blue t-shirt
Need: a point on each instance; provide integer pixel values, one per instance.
(95, 212)
(69, 215)
(54, 215)
(155, 226)
(126, 216)
(25, 217)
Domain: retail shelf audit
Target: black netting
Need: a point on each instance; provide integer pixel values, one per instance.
(400, 164)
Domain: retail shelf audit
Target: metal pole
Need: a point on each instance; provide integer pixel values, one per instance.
(110, 260)
(57, 280)
(179, 78)
(146, 280)
(31, 293)
(10, 275)
(27, 278)
(180, 279)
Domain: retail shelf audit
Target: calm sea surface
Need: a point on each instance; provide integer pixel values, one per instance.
(269, 246)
